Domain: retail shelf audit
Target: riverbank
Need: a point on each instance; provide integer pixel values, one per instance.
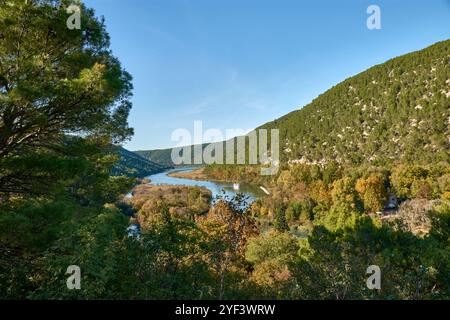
(195, 174)
(198, 174)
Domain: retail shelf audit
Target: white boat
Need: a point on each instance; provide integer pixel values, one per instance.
(236, 186)
(265, 190)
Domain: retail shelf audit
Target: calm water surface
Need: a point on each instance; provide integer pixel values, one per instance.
(217, 188)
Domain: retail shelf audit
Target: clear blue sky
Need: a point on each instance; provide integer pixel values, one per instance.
(241, 63)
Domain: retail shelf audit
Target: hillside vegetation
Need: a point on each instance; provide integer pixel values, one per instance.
(133, 165)
(162, 157)
(399, 110)
(181, 201)
(395, 111)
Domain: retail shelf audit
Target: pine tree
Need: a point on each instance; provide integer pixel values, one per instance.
(280, 222)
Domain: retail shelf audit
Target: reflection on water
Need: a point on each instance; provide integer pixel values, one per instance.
(217, 188)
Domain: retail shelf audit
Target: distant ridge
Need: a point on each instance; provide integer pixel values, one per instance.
(160, 156)
(132, 164)
(163, 156)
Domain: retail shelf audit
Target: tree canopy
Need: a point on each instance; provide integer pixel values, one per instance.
(55, 83)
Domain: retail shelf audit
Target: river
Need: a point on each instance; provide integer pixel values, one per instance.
(216, 188)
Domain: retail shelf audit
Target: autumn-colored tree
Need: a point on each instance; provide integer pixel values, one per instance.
(404, 177)
(372, 191)
(320, 193)
(235, 222)
(344, 194)
(228, 226)
(271, 255)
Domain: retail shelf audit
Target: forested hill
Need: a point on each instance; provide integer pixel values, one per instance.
(132, 164)
(162, 156)
(395, 111)
(399, 110)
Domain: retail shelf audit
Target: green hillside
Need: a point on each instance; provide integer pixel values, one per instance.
(161, 157)
(132, 164)
(399, 110)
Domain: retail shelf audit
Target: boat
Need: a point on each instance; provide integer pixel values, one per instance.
(236, 186)
(265, 190)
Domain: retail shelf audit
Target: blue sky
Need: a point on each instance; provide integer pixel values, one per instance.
(240, 63)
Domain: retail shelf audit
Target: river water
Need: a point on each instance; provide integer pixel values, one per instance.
(216, 188)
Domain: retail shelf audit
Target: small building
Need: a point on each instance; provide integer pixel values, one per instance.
(391, 203)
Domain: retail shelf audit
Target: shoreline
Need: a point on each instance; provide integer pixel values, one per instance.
(197, 174)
